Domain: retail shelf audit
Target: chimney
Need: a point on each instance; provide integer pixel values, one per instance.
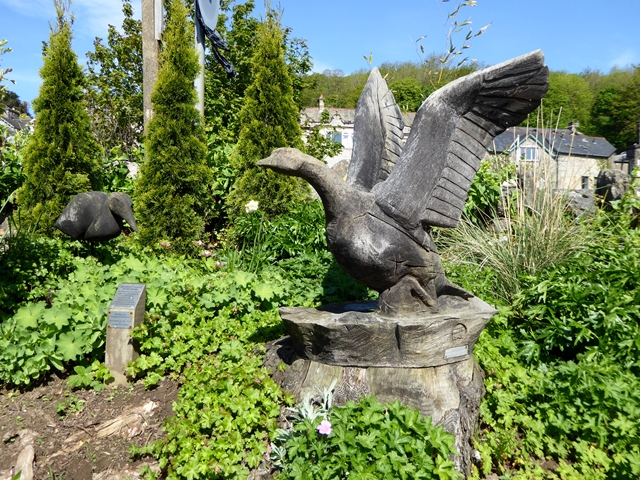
(572, 127)
(321, 102)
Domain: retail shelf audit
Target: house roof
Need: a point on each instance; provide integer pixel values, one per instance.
(560, 141)
(12, 120)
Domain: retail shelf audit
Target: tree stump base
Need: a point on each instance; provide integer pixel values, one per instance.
(424, 362)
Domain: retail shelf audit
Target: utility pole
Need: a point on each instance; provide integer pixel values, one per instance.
(199, 83)
(152, 24)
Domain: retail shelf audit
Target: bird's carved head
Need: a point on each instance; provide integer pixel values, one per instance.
(122, 208)
(288, 161)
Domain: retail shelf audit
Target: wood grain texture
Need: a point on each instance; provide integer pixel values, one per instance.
(378, 133)
(352, 335)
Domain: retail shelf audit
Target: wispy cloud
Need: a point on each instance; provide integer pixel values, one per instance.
(320, 66)
(33, 8)
(625, 59)
(91, 17)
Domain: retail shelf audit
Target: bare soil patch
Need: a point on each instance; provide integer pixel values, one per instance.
(80, 435)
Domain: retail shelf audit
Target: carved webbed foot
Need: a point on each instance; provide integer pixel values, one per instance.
(409, 298)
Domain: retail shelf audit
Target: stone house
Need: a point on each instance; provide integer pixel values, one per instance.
(565, 158)
(339, 127)
(11, 120)
(629, 160)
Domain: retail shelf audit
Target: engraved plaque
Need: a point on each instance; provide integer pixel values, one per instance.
(120, 319)
(128, 295)
(125, 312)
(456, 352)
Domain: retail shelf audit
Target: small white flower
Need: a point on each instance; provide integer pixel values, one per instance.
(252, 206)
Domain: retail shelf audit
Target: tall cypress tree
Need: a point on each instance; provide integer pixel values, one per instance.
(269, 120)
(62, 156)
(173, 194)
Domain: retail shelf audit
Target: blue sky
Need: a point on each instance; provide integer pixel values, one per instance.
(573, 34)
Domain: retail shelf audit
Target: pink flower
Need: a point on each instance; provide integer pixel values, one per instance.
(324, 428)
(207, 253)
(199, 243)
(165, 244)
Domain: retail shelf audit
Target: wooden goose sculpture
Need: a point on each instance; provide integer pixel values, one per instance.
(378, 221)
(96, 216)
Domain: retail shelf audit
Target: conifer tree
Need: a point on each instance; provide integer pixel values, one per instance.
(173, 193)
(62, 156)
(269, 120)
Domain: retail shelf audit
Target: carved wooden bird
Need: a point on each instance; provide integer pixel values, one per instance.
(96, 216)
(378, 222)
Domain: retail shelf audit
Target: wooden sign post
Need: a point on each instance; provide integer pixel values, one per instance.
(125, 312)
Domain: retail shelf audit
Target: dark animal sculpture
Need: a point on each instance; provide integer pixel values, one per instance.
(96, 216)
(378, 222)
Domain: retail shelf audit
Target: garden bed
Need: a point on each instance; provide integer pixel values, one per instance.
(79, 435)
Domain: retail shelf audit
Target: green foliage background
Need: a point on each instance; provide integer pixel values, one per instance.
(61, 157)
(173, 195)
(114, 85)
(269, 120)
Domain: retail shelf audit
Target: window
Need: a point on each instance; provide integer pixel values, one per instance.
(585, 183)
(529, 154)
(335, 136)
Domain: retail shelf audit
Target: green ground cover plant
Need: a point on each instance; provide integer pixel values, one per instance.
(363, 440)
(561, 357)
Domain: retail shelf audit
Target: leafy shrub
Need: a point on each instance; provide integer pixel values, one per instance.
(263, 241)
(91, 376)
(116, 173)
(173, 197)
(583, 414)
(224, 416)
(588, 305)
(485, 198)
(368, 440)
(39, 336)
(29, 269)
(61, 157)
(11, 174)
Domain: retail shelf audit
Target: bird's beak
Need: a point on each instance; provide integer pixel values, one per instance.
(128, 216)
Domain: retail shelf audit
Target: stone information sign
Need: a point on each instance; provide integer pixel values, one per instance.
(126, 311)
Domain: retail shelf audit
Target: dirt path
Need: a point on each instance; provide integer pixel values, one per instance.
(81, 435)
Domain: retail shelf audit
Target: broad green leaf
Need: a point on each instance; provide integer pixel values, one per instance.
(27, 316)
(264, 291)
(69, 346)
(57, 316)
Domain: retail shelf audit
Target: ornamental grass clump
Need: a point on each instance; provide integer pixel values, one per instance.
(535, 233)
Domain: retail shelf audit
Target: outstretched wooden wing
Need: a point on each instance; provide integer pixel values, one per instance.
(450, 136)
(378, 130)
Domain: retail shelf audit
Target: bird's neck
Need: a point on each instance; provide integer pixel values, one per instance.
(338, 197)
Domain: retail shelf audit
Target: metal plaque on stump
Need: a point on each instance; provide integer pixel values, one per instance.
(126, 312)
